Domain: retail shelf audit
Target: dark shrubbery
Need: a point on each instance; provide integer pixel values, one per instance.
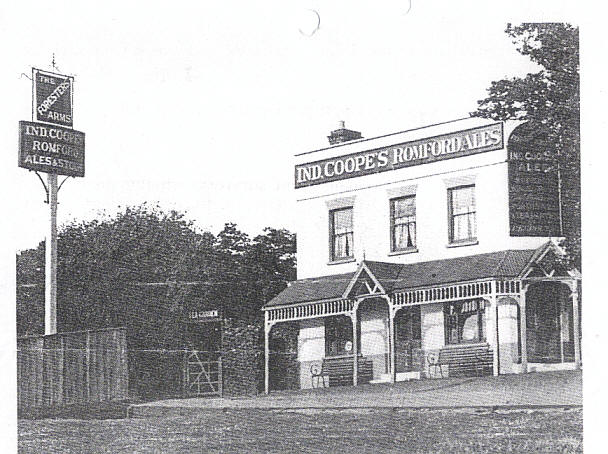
(144, 269)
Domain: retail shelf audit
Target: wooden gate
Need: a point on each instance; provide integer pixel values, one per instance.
(202, 374)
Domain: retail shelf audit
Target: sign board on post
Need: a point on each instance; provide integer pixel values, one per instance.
(533, 183)
(53, 95)
(49, 144)
(51, 149)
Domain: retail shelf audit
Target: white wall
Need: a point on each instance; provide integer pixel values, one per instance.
(374, 337)
(311, 341)
(311, 348)
(374, 330)
(371, 217)
(433, 329)
(508, 335)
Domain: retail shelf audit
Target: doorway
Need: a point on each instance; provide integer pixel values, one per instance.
(408, 342)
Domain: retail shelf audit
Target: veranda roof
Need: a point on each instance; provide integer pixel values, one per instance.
(396, 277)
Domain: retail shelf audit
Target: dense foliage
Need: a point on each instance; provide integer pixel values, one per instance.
(144, 267)
(551, 99)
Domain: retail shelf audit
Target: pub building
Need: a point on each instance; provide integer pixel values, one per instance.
(429, 253)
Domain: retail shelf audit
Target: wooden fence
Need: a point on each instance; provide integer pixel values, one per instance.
(74, 367)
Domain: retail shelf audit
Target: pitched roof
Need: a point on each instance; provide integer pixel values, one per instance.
(398, 276)
(438, 272)
(314, 289)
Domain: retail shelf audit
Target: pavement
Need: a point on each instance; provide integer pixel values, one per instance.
(524, 391)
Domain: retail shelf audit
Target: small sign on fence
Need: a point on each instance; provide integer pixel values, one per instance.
(196, 315)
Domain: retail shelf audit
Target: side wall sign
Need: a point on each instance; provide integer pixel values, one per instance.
(52, 149)
(533, 183)
(53, 98)
(422, 151)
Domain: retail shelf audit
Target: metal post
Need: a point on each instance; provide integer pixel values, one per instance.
(496, 357)
(559, 200)
(523, 328)
(391, 340)
(50, 282)
(267, 328)
(355, 348)
(220, 378)
(576, 321)
(561, 330)
(87, 356)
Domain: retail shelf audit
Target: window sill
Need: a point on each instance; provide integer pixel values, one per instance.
(463, 243)
(465, 344)
(341, 261)
(342, 356)
(411, 250)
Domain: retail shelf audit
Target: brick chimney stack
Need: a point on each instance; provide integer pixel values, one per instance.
(342, 134)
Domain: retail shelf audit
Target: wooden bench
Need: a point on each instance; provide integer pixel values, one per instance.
(339, 370)
(467, 360)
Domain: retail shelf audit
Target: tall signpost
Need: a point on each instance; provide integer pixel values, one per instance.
(49, 144)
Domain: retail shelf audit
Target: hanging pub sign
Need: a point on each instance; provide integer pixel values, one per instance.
(53, 96)
(534, 199)
(422, 151)
(51, 149)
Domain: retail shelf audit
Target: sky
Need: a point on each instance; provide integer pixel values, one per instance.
(200, 106)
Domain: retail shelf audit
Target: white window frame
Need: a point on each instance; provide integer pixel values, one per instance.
(472, 238)
(394, 224)
(332, 236)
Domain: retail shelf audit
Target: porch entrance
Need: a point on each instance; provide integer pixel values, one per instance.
(408, 340)
(549, 323)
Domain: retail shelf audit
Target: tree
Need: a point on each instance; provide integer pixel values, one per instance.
(142, 267)
(30, 291)
(270, 263)
(255, 270)
(232, 240)
(549, 98)
(105, 265)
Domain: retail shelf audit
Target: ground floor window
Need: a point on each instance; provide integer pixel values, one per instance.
(464, 322)
(338, 336)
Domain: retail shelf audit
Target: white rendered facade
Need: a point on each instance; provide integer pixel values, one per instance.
(369, 196)
(376, 324)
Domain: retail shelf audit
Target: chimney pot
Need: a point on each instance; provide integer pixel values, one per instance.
(342, 134)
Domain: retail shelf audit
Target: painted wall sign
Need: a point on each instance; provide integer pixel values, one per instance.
(51, 149)
(196, 315)
(447, 146)
(53, 95)
(533, 183)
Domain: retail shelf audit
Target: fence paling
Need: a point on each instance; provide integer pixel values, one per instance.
(72, 367)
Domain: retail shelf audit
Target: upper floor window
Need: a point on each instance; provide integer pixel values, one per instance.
(341, 233)
(461, 201)
(403, 223)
